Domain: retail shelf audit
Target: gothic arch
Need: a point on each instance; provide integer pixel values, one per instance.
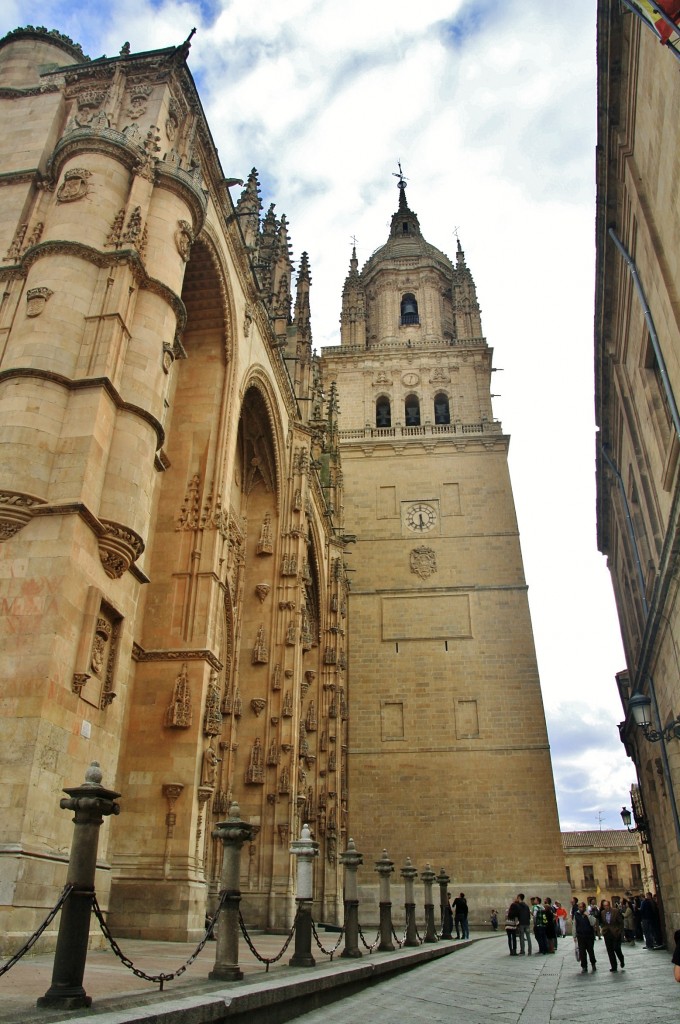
(209, 243)
(258, 380)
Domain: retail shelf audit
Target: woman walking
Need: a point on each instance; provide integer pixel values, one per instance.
(511, 922)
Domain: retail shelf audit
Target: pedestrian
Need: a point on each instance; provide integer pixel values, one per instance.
(460, 917)
(585, 936)
(494, 920)
(550, 929)
(628, 922)
(594, 915)
(561, 916)
(511, 922)
(676, 956)
(524, 925)
(611, 924)
(647, 920)
(540, 920)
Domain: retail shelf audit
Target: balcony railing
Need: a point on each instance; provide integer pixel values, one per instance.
(589, 884)
(614, 883)
(429, 430)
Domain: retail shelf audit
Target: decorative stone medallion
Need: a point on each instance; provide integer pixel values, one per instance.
(423, 562)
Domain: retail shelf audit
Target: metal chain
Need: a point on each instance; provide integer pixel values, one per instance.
(366, 945)
(399, 942)
(157, 979)
(36, 935)
(263, 959)
(328, 952)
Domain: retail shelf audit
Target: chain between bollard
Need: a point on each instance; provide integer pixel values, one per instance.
(366, 945)
(399, 942)
(328, 952)
(267, 961)
(68, 888)
(156, 979)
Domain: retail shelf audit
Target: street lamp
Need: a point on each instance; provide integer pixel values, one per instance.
(641, 824)
(640, 706)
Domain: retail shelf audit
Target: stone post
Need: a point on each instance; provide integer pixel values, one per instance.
(409, 874)
(305, 849)
(91, 803)
(385, 867)
(447, 919)
(428, 876)
(234, 833)
(351, 860)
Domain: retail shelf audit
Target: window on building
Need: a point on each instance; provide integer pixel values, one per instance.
(588, 875)
(612, 875)
(636, 876)
(409, 309)
(569, 876)
(412, 411)
(383, 412)
(442, 412)
(657, 392)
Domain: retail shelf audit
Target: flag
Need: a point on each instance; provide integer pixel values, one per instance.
(669, 7)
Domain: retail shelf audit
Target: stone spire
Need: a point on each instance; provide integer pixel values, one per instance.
(353, 315)
(466, 312)
(249, 208)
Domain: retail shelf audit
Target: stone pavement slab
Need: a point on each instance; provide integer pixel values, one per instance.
(482, 984)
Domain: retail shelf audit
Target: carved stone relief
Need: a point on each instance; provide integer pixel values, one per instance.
(423, 562)
(179, 713)
(74, 186)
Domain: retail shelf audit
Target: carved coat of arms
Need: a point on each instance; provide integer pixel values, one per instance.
(423, 562)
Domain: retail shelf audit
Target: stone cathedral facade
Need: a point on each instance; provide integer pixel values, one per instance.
(176, 527)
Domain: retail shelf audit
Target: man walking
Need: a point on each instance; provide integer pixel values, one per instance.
(460, 917)
(585, 937)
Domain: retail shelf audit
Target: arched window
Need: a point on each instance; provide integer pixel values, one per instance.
(409, 309)
(383, 412)
(442, 413)
(412, 411)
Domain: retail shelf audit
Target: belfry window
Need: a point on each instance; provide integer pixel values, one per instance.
(383, 412)
(442, 413)
(412, 411)
(409, 309)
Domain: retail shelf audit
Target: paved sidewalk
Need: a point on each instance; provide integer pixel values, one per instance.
(482, 984)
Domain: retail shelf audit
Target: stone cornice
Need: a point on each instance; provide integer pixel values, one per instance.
(83, 384)
(177, 654)
(8, 93)
(117, 257)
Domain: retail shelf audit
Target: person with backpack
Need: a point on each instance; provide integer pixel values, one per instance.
(540, 923)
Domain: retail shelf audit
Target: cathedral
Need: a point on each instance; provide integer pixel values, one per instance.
(230, 568)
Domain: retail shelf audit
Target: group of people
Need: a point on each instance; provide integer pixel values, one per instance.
(614, 923)
(456, 914)
(545, 920)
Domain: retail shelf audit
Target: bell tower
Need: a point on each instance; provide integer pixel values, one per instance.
(448, 750)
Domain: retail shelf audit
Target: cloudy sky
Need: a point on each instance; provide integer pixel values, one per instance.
(491, 109)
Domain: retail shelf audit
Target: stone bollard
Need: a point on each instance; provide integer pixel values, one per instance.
(385, 867)
(234, 833)
(428, 876)
(91, 803)
(447, 914)
(409, 874)
(351, 860)
(305, 849)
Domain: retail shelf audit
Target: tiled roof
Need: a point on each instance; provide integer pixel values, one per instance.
(605, 838)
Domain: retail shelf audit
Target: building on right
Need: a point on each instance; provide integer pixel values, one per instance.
(637, 390)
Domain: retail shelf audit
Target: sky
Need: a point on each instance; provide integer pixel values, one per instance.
(491, 110)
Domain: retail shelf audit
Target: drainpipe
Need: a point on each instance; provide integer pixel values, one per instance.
(652, 329)
(629, 524)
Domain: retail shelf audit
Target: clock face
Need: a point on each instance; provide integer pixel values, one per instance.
(421, 517)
